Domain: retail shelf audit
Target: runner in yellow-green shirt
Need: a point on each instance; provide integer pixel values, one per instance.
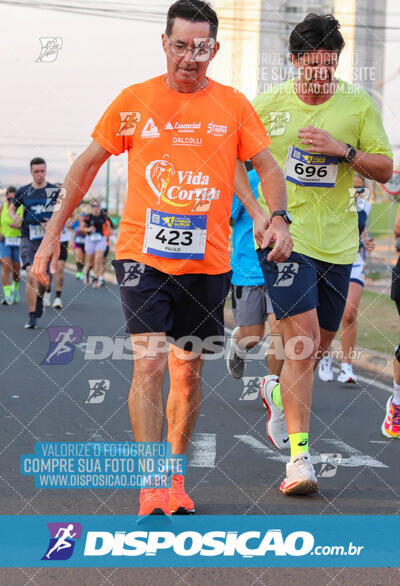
(322, 130)
(10, 236)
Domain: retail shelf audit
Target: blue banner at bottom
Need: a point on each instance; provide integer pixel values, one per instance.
(199, 541)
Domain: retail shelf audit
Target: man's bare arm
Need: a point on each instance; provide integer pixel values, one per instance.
(274, 191)
(245, 195)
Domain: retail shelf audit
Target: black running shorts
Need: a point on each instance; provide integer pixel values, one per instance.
(182, 306)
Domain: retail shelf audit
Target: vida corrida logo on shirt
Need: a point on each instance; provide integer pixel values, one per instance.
(178, 188)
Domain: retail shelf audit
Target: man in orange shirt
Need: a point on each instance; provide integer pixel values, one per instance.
(184, 133)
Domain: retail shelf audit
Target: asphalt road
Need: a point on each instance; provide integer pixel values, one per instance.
(231, 467)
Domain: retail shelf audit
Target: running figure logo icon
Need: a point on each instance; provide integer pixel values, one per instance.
(49, 47)
(278, 122)
(62, 540)
(287, 273)
(132, 273)
(129, 122)
(62, 344)
(54, 198)
(251, 386)
(329, 465)
(97, 390)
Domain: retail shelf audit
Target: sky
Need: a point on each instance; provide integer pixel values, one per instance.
(50, 108)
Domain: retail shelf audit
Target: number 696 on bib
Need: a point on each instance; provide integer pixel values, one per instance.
(309, 169)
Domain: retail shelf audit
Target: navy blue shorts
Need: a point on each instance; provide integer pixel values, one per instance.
(180, 305)
(302, 283)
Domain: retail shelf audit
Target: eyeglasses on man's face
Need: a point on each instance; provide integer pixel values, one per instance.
(201, 50)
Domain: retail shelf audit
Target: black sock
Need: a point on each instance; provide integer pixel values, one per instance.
(40, 296)
(58, 293)
(79, 267)
(32, 314)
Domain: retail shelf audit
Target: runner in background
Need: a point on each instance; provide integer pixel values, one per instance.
(251, 304)
(38, 199)
(109, 232)
(65, 237)
(10, 237)
(391, 424)
(348, 333)
(78, 227)
(95, 243)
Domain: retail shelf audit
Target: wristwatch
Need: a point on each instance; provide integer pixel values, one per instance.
(285, 215)
(350, 153)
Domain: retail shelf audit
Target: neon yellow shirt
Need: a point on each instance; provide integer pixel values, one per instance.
(5, 222)
(324, 220)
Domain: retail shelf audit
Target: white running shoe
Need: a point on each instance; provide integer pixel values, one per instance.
(47, 299)
(300, 476)
(234, 363)
(325, 371)
(57, 303)
(346, 375)
(276, 424)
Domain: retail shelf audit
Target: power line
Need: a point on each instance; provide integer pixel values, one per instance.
(159, 17)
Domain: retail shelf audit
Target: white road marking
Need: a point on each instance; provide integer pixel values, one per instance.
(355, 457)
(261, 448)
(203, 450)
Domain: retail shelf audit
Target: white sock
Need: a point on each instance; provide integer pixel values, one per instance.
(396, 393)
(346, 366)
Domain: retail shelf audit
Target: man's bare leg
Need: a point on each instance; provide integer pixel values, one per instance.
(297, 375)
(275, 364)
(184, 397)
(145, 402)
(32, 289)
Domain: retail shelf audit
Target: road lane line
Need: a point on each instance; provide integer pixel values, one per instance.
(261, 448)
(355, 458)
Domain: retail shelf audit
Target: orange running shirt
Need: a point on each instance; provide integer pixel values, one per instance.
(182, 151)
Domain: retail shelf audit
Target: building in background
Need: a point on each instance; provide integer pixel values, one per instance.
(254, 41)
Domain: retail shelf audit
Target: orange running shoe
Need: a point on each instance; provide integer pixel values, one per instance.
(391, 424)
(154, 501)
(179, 502)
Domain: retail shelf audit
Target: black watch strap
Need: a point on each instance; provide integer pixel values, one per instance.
(350, 153)
(284, 214)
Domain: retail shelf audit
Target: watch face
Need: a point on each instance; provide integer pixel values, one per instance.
(351, 153)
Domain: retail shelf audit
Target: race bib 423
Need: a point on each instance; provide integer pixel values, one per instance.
(175, 235)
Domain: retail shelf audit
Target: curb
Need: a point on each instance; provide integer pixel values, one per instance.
(370, 360)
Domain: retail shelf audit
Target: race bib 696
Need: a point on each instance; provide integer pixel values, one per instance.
(309, 169)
